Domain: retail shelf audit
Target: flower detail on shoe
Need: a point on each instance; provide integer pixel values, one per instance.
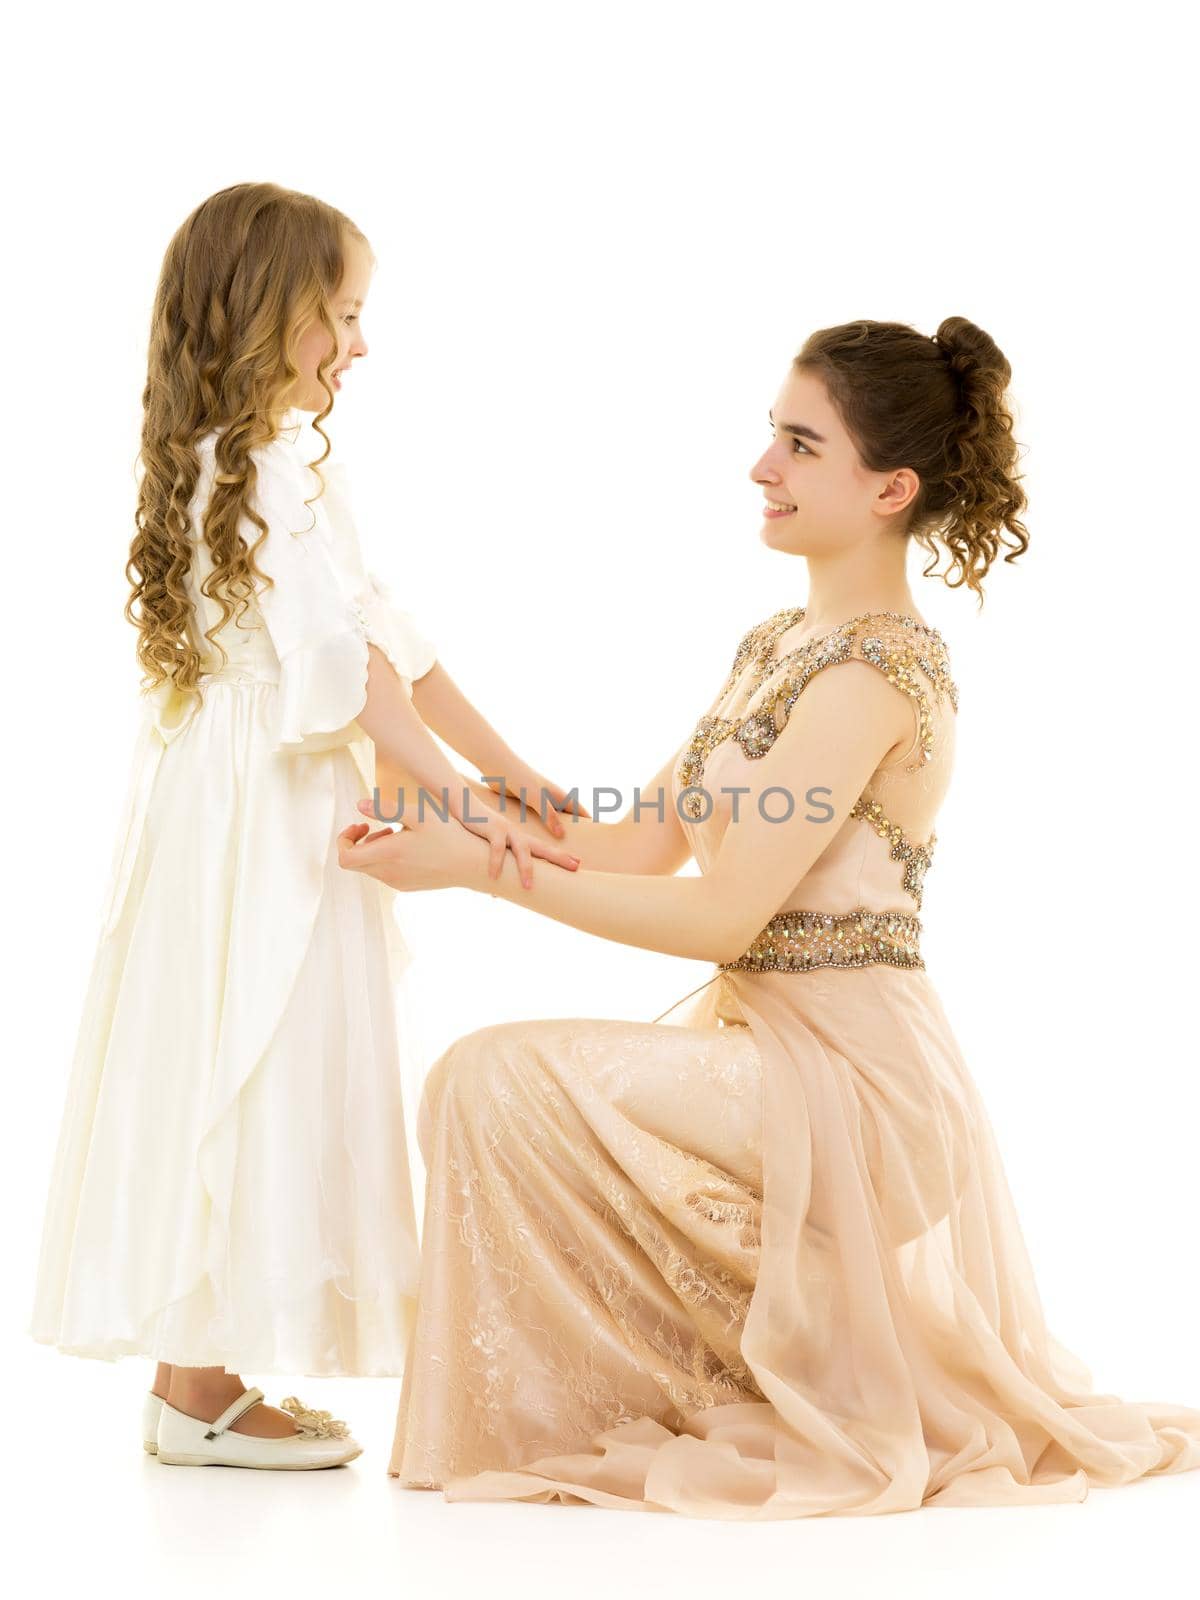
(314, 1424)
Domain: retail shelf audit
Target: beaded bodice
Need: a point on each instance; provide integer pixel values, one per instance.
(857, 904)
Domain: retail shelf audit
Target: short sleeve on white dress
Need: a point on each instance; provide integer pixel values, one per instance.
(322, 608)
(319, 635)
(394, 630)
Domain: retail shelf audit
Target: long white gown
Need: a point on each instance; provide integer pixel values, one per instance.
(231, 1184)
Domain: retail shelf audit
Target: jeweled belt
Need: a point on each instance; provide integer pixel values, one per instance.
(800, 941)
(797, 941)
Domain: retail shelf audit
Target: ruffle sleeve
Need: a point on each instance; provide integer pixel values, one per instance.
(323, 608)
(318, 631)
(394, 630)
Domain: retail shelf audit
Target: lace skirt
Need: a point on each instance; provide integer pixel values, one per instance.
(761, 1265)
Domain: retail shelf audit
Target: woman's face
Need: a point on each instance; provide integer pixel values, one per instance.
(348, 301)
(811, 470)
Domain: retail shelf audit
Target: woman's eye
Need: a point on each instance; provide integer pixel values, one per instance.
(350, 319)
(796, 442)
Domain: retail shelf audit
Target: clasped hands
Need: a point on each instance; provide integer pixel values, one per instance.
(437, 853)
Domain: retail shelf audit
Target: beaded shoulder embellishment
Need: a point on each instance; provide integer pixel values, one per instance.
(903, 649)
(759, 642)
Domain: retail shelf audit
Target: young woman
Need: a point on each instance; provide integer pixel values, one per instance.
(231, 1188)
(765, 1264)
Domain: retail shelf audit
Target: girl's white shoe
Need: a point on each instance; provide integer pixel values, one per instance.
(151, 1409)
(323, 1441)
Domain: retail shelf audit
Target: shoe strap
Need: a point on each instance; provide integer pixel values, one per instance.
(232, 1412)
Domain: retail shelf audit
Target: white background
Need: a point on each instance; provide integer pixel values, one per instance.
(602, 233)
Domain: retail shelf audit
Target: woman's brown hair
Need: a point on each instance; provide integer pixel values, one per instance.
(249, 271)
(939, 406)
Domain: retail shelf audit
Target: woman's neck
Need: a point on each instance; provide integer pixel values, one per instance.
(846, 585)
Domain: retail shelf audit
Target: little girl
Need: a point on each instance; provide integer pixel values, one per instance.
(231, 1188)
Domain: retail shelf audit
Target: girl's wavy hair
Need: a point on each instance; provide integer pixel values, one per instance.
(939, 406)
(245, 276)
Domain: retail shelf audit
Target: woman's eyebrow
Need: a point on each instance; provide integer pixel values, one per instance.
(798, 428)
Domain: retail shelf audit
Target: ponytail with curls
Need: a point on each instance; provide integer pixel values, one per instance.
(939, 406)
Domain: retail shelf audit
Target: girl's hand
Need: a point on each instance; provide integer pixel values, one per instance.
(501, 836)
(533, 783)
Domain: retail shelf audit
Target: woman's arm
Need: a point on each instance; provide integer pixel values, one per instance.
(652, 842)
(839, 731)
(648, 840)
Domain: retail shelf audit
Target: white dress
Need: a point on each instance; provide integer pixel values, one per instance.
(231, 1185)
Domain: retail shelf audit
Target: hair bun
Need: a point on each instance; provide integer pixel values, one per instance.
(969, 349)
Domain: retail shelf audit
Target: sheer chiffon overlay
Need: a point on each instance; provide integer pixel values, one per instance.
(231, 1184)
(765, 1262)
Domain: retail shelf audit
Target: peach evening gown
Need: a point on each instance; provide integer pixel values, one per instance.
(765, 1263)
(231, 1185)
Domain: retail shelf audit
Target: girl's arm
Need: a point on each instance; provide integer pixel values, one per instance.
(651, 842)
(646, 843)
(392, 722)
(445, 709)
(403, 743)
(839, 731)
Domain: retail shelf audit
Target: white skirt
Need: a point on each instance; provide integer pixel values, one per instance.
(231, 1185)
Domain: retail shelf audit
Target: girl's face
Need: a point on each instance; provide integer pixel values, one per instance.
(818, 495)
(348, 301)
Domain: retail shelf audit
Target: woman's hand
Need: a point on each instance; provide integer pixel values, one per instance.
(497, 831)
(409, 858)
(520, 776)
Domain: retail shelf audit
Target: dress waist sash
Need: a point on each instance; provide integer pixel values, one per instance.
(800, 941)
(797, 941)
(232, 673)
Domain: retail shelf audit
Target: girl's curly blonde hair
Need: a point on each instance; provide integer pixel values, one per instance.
(938, 405)
(245, 276)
